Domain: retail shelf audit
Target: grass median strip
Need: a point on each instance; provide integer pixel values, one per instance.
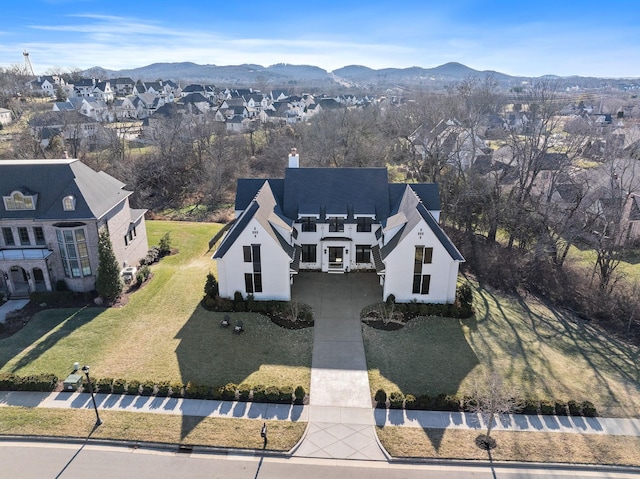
(129, 426)
(512, 446)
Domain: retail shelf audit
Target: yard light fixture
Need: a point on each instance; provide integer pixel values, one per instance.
(85, 370)
(263, 432)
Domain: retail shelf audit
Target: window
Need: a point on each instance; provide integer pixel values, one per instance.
(253, 281)
(308, 223)
(69, 203)
(363, 253)
(309, 253)
(364, 225)
(18, 201)
(74, 252)
(424, 255)
(336, 225)
(23, 234)
(38, 234)
(8, 237)
(421, 283)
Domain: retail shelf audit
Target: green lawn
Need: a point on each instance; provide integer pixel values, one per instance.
(542, 352)
(163, 333)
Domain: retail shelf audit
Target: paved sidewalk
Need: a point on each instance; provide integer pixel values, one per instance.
(157, 405)
(511, 422)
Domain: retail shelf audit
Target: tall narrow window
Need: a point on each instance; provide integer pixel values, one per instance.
(38, 234)
(74, 252)
(253, 280)
(421, 282)
(23, 234)
(7, 234)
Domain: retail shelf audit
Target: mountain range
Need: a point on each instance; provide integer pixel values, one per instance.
(284, 75)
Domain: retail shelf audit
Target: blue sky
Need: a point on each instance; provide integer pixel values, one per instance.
(529, 38)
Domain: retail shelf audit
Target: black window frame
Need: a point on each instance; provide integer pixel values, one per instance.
(364, 224)
(308, 224)
(336, 224)
(38, 235)
(361, 250)
(23, 236)
(309, 253)
(7, 236)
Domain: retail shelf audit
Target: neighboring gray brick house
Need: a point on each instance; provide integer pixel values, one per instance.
(50, 216)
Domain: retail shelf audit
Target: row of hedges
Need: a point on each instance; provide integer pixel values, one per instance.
(194, 390)
(36, 382)
(456, 403)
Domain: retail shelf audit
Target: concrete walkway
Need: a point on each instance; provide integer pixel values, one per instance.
(11, 305)
(341, 422)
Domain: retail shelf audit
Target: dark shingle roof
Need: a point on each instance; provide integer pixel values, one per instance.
(336, 186)
(95, 192)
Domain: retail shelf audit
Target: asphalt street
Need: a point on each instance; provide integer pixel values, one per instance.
(60, 460)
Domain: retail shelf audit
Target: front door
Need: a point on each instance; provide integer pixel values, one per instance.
(336, 258)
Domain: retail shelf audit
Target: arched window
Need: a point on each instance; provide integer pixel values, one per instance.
(69, 203)
(19, 201)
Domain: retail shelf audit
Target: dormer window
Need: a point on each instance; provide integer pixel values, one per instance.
(69, 203)
(19, 201)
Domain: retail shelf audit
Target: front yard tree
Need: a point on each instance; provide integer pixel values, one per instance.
(108, 284)
(490, 398)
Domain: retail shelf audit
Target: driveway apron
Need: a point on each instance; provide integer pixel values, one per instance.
(341, 420)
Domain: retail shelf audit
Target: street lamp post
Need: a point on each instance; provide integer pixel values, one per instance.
(85, 370)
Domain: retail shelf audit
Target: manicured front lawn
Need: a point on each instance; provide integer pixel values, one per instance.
(544, 353)
(163, 333)
(158, 428)
(512, 446)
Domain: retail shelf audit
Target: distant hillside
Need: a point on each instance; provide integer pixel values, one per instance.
(283, 75)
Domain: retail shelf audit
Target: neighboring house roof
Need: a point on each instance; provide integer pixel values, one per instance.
(95, 193)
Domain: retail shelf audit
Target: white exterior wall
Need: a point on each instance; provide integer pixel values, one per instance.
(322, 231)
(400, 263)
(275, 265)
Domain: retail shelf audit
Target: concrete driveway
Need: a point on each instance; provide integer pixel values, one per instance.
(341, 421)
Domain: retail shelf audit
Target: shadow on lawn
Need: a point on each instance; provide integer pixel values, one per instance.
(212, 355)
(564, 332)
(42, 332)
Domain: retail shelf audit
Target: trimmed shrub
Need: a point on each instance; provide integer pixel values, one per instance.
(380, 398)
(229, 392)
(52, 297)
(194, 390)
(410, 401)
(299, 394)
(244, 390)
(176, 389)
(215, 392)
(147, 388)
(574, 408)
(423, 402)
(105, 385)
(446, 402)
(588, 409)
(119, 386)
(164, 245)
(286, 394)
(142, 275)
(560, 408)
(465, 301)
(259, 393)
(530, 406)
(163, 389)
(37, 382)
(272, 393)
(211, 287)
(396, 400)
(547, 407)
(133, 387)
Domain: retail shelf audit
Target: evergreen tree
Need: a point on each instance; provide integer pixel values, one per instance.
(109, 284)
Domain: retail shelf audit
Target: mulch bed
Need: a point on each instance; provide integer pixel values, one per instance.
(286, 323)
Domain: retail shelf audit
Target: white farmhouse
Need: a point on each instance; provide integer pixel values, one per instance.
(337, 220)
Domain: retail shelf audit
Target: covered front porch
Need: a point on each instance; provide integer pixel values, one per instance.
(23, 271)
